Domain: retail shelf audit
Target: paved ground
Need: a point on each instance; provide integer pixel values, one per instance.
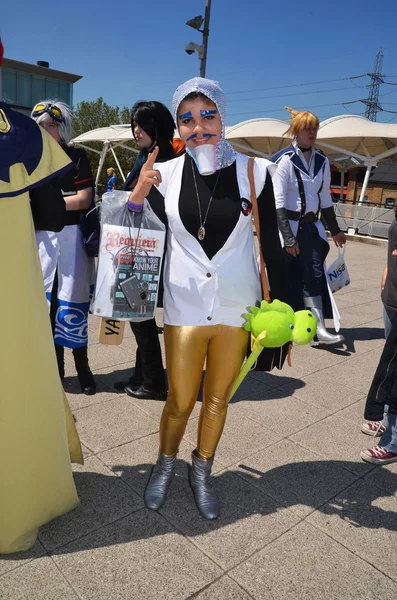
(302, 516)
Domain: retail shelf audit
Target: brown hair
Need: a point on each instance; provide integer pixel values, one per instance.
(300, 121)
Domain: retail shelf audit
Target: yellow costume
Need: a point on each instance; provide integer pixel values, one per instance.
(37, 442)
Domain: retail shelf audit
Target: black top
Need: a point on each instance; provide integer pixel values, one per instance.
(224, 211)
(389, 294)
(48, 207)
(78, 178)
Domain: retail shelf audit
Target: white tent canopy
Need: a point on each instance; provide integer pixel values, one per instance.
(349, 140)
(112, 137)
(263, 137)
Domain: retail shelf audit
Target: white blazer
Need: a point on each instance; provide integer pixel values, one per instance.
(316, 179)
(203, 291)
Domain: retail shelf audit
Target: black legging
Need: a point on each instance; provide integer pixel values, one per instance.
(149, 369)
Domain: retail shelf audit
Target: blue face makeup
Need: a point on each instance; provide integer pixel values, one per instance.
(209, 135)
(194, 135)
(205, 113)
(187, 115)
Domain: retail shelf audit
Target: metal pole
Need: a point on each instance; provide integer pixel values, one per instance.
(365, 183)
(206, 32)
(342, 184)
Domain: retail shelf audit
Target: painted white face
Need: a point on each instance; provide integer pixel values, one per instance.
(141, 137)
(199, 123)
(53, 129)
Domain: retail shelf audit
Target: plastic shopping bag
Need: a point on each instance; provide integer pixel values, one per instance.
(337, 273)
(129, 261)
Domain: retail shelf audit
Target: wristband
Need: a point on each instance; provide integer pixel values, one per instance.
(134, 207)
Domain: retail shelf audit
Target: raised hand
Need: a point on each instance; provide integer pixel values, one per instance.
(147, 177)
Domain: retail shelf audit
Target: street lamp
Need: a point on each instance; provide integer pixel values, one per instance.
(201, 50)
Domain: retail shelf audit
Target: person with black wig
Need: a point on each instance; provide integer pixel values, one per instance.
(152, 125)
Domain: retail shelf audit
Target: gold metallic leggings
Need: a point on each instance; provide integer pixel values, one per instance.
(187, 348)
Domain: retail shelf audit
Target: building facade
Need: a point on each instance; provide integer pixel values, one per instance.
(23, 85)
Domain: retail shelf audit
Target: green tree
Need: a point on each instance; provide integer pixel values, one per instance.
(94, 114)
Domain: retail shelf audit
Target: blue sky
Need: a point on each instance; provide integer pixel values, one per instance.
(127, 50)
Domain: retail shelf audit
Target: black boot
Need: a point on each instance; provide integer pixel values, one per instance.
(59, 351)
(136, 379)
(84, 374)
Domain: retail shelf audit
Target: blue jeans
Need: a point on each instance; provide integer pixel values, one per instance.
(388, 314)
(389, 438)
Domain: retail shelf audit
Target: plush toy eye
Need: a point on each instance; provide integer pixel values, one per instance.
(291, 326)
(308, 330)
(310, 314)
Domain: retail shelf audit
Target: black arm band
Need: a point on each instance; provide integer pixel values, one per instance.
(285, 228)
(330, 219)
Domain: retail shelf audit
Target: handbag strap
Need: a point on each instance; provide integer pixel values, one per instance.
(254, 202)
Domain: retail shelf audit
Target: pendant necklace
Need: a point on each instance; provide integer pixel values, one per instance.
(201, 231)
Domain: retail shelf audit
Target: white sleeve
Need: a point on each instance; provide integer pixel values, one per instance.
(163, 168)
(280, 182)
(325, 194)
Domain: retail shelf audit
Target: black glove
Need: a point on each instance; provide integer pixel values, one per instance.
(285, 228)
(330, 219)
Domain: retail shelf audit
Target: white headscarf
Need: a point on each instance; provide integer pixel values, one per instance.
(225, 153)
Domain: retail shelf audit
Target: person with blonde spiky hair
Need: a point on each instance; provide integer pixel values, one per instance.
(302, 191)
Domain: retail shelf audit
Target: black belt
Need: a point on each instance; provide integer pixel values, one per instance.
(309, 217)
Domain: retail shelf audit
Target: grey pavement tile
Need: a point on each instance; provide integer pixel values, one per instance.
(357, 317)
(356, 372)
(78, 400)
(384, 477)
(9, 562)
(251, 389)
(364, 337)
(288, 375)
(140, 556)
(317, 393)
(248, 520)
(281, 414)
(223, 589)
(154, 408)
(104, 498)
(101, 355)
(133, 462)
(241, 437)
(355, 414)
(294, 476)
(336, 438)
(110, 374)
(112, 423)
(308, 360)
(364, 519)
(307, 565)
(86, 451)
(37, 580)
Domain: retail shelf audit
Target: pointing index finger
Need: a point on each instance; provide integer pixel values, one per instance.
(152, 157)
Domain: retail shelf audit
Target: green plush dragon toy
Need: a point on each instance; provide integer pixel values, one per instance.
(272, 325)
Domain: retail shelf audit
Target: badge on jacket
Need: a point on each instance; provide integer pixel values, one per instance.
(246, 207)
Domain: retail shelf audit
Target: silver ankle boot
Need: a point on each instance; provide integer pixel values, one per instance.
(159, 482)
(315, 305)
(206, 501)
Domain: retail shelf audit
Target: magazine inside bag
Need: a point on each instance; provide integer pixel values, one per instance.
(129, 261)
